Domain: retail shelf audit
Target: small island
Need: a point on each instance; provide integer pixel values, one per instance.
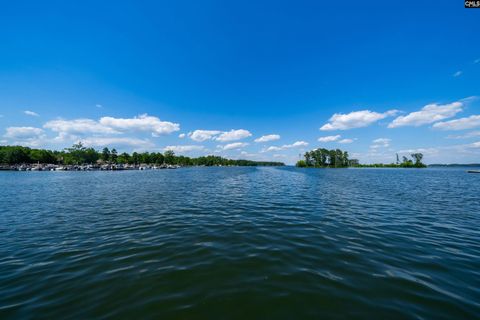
(336, 158)
(80, 158)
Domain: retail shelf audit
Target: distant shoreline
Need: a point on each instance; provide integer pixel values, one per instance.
(455, 165)
(109, 167)
(80, 158)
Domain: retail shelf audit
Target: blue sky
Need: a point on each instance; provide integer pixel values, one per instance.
(372, 77)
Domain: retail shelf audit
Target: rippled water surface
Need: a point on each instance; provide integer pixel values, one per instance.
(240, 243)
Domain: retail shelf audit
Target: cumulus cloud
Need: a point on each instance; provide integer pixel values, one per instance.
(457, 74)
(381, 143)
(356, 119)
(233, 135)
(78, 126)
(22, 132)
(235, 145)
(467, 135)
(142, 122)
(31, 113)
(184, 148)
(329, 138)
(26, 136)
(224, 136)
(296, 144)
(181, 135)
(345, 141)
(267, 138)
(116, 141)
(110, 125)
(203, 135)
(459, 124)
(428, 114)
(475, 145)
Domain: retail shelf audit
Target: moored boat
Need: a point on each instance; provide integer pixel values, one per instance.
(473, 171)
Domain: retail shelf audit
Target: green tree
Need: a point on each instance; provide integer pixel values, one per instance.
(105, 154)
(135, 158)
(418, 159)
(16, 155)
(113, 155)
(123, 158)
(301, 163)
(169, 157)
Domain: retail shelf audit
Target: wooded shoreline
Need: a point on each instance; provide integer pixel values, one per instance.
(336, 158)
(79, 157)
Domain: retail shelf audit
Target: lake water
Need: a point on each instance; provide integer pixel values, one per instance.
(240, 243)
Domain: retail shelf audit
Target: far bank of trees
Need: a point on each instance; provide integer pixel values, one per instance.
(414, 162)
(324, 158)
(78, 154)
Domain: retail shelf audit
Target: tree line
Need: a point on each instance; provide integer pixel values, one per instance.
(414, 162)
(324, 158)
(78, 154)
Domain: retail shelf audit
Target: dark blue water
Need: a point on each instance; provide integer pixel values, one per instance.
(240, 243)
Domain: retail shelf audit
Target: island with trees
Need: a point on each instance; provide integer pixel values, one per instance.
(336, 158)
(79, 157)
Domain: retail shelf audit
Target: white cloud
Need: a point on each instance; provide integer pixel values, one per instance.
(329, 138)
(22, 132)
(268, 137)
(78, 126)
(203, 135)
(296, 144)
(98, 106)
(457, 74)
(184, 148)
(345, 141)
(235, 145)
(1, 115)
(356, 119)
(142, 122)
(428, 114)
(272, 148)
(233, 135)
(224, 136)
(182, 135)
(31, 113)
(110, 125)
(467, 135)
(25, 136)
(116, 142)
(381, 143)
(459, 124)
